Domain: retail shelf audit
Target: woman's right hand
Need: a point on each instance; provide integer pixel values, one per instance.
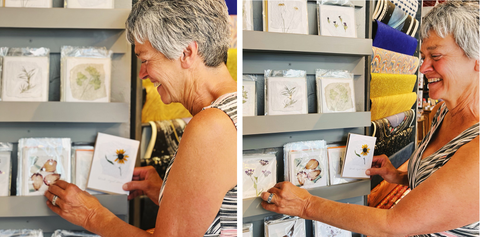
(382, 166)
(145, 181)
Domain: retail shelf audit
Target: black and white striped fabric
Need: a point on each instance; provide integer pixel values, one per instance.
(227, 215)
(420, 169)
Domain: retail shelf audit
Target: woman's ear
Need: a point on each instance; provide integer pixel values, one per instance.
(189, 55)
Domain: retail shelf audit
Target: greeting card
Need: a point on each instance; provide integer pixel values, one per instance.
(98, 4)
(335, 157)
(5, 173)
(359, 155)
(29, 3)
(286, 226)
(308, 168)
(249, 99)
(335, 95)
(83, 157)
(113, 163)
(247, 15)
(324, 230)
(336, 21)
(259, 174)
(286, 95)
(25, 78)
(285, 16)
(247, 230)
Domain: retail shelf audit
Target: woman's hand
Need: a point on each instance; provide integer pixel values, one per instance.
(382, 166)
(287, 199)
(73, 204)
(145, 181)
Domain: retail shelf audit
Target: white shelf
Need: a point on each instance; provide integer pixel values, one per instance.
(65, 112)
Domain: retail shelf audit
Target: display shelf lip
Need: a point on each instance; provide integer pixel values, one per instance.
(14, 17)
(313, 44)
(36, 206)
(254, 125)
(356, 4)
(252, 207)
(67, 112)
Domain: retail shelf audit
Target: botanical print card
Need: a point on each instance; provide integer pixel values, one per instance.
(309, 169)
(322, 230)
(5, 173)
(247, 15)
(259, 174)
(359, 155)
(336, 21)
(103, 4)
(335, 157)
(86, 79)
(29, 3)
(249, 99)
(286, 95)
(25, 78)
(285, 16)
(335, 95)
(83, 161)
(292, 227)
(113, 163)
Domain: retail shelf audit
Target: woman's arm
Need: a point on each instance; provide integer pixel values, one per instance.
(204, 170)
(446, 200)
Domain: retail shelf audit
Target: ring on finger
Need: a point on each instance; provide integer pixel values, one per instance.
(54, 200)
(269, 200)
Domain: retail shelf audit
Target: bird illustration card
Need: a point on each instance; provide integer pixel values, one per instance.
(285, 16)
(5, 173)
(359, 156)
(95, 4)
(113, 163)
(336, 21)
(25, 78)
(286, 226)
(308, 169)
(286, 95)
(259, 174)
(86, 79)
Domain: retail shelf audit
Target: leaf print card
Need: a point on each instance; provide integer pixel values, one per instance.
(288, 226)
(5, 172)
(335, 156)
(25, 78)
(249, 99)
(309, 169)
(113, 163)
(322, 230)
(96, 4)
(286, 95)
(336, 21)
(86, 79)
(359, 155)
(335, 95)
(259, 174)
(285, 16)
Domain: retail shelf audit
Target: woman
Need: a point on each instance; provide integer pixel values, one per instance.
(443, 171)
(183, 49)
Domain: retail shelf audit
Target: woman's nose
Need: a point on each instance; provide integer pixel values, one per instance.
(143, 72)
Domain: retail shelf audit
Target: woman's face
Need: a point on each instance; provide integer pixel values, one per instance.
(449, 71)
(161, 71)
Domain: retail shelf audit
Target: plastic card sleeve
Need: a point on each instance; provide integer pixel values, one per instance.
(3, 52)
(336, 21)
(5, 168)
(285, 92)
(82, 161)
(335, 91)
(249, 95)
(283, 225)
(259, 174)
(335, 157)
(71, 233)
(22, 233)
(247, 15)
(94, 4)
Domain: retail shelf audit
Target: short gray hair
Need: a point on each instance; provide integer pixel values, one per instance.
(170, 25)
(461, 19)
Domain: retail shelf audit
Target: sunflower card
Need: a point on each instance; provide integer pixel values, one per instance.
(113, 163)
(358, 156)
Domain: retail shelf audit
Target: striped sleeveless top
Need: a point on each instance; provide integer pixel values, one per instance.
(420, 169)
(226, 218)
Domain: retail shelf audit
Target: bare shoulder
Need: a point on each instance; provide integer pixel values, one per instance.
(469, 152)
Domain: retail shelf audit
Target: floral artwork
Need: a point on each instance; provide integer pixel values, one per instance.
(335, 156)
(98, 4)
(25, 78)
(308, 169)
(286, 95)
(291, 227)
(29, 3)
(4, 173)
(249, 99)
(259, 174)
(336, 21)
(113, 163)
(86, 79)
(325, 230)
(358, 156)
(286, 16)
(335, 95)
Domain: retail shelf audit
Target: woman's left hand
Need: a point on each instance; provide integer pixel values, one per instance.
(287, 199)
(73, 204)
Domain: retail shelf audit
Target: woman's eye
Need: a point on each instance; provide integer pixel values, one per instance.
(436, 56)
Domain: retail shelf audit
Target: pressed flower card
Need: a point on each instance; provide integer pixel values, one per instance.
(249, 99)
(359, 155)
(259, 174)
(25, 78)
(113, 163)
(286, 95)
(285, 16)
(308, 169)
(336, 21)
(335, 95)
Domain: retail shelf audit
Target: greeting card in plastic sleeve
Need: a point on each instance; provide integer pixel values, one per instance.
(21, 233)
(71, 233)
(321, 230)
(82, 161)
(285, 16)
(286, 92)
(335, 91)
(5, 168)
(247, 230)
(336, 21)
(259, 174)
(249, 95)
(282, 225)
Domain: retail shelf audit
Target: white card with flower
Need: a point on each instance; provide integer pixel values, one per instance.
(25, 78)
(286, 95)
(309, 168)
(249, 99)
(325, 230)
(259, 174)
(335, 95)
(337, 21)
(113, 163)
(359, 156)
(285, 16)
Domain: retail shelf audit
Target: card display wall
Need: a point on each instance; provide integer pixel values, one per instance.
(282, 51)
(53, 28)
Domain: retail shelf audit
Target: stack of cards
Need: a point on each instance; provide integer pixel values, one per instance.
(282, 225)
(259, 174)
(5, 168)
(359, 156)
(335, 92)
(82, 161)
(286, 92)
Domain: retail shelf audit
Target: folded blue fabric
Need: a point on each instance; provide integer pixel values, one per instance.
(388, 38)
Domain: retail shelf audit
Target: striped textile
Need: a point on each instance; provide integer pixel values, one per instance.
(420, 169)
(227, 215)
